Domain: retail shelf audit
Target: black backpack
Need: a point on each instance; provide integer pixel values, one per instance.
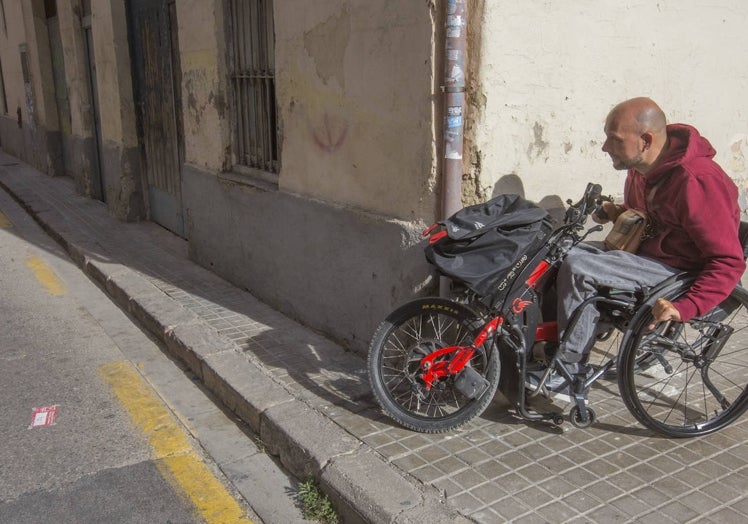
(480, 244)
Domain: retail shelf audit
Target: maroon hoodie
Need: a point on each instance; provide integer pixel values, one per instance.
(696, 210)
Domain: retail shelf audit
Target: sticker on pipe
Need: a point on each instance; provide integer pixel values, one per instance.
(454, 121)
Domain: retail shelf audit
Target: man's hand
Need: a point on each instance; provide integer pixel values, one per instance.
(610, 209)
(662, 311)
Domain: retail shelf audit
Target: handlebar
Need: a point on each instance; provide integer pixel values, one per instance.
(577, 213)
(593, 194)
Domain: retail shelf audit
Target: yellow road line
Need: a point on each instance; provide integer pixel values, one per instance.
(175, 456)
(5, 222)
(46, 276)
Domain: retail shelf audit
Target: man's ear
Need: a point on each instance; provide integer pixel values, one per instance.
(647, 138)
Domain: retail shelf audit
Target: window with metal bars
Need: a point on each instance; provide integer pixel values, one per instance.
(253, 84)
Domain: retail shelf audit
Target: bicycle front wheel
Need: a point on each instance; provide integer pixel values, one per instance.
(688, 379)
(408, 335)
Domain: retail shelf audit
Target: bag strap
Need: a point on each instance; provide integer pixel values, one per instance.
(650, 196)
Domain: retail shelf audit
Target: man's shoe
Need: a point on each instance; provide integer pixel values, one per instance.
(641, 366)
(554, 382)
(555, 385)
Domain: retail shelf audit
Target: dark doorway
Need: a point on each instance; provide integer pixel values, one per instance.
(157, 86)
(98, 178)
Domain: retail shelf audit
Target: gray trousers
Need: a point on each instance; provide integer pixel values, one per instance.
(586, 268)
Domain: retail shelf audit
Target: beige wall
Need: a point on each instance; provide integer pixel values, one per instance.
(355, 92)
(355, 87)
(113, 74)
(40, 68)
(74, 46)
(202, 47)
(24, 23)
(13, 35)
(551, 71)
(30, 129)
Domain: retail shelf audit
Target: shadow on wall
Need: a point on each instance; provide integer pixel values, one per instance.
(512, 184)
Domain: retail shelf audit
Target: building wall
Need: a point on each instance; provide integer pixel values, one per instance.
(202, 48)
(121, 169)
(551, 71)
(12, 135)
(355, 87)
(356, 95)
(31, 128)
(337, 269)
(334, 243)
(81, 161)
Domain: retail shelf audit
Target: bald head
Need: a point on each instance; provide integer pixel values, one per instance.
(636, 132)
(642, 113)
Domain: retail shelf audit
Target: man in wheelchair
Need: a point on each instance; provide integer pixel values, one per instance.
(693, 218)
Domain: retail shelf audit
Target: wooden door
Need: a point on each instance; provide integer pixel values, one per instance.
(156, 80)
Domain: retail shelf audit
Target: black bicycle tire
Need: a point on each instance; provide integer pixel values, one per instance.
(410, 418)
(628, 371)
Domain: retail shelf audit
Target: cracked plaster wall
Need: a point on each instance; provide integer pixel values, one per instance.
(355, 87)
(202, 48)
(551, 71)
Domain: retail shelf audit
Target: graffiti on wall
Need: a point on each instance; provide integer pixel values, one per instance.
(329, 132)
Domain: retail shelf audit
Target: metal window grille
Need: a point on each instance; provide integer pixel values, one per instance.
(253, 82)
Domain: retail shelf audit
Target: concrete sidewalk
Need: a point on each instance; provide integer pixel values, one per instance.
(309, 401)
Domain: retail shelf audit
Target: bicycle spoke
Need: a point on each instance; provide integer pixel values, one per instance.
(401, 359)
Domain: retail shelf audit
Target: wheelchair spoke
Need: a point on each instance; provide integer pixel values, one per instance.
(689, 379)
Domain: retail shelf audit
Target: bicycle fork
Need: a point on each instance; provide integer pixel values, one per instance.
(467, 380)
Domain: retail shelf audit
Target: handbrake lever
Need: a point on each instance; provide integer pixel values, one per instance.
(591, 230)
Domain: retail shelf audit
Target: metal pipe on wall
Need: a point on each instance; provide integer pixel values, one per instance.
(455, 58)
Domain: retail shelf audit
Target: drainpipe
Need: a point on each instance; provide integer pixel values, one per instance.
(455, 58)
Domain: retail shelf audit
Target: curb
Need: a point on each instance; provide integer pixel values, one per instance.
(362, 485)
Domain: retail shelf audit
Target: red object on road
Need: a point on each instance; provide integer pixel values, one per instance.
(44, 416)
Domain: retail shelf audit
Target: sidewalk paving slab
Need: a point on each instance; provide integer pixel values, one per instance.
(309, 401)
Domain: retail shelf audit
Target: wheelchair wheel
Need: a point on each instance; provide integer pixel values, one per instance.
(575, 417)
(412, 332)
(687, 379)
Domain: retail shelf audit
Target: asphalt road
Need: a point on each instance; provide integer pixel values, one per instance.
(97, 424)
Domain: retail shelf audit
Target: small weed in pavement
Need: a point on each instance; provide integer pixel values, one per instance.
(315, 504)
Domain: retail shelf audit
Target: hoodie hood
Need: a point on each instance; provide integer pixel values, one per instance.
(685, 144)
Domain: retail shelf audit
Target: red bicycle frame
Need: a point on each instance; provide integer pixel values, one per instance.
(433, 370)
